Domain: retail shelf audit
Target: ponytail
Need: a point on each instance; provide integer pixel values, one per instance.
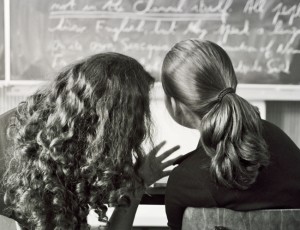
(194, 73)
(231, 134)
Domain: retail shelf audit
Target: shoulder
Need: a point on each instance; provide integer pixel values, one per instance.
(188, 186)
(6, 116)
(271, 129)
(191, 174)
(181, 159)
(4, 143)
(5, 119)
(181, 172)
(268, 126)
(195, 160)
(274, 136)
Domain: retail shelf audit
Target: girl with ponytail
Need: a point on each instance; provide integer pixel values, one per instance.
(238, 156)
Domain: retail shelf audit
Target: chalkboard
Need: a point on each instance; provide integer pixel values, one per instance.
(261, 36)
(1, 40)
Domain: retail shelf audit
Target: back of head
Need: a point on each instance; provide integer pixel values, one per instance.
(75, 142)
(200, 75)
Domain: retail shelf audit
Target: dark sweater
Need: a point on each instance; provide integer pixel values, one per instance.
(277, 186)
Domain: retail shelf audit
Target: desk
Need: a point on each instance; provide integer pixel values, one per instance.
(151, 211)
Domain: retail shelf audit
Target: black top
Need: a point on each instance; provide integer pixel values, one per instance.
(277, 186)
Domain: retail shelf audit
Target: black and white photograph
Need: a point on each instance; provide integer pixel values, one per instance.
(150, 114)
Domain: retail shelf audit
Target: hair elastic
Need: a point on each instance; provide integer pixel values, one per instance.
(225, 92)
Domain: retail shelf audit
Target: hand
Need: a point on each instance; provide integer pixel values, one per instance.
(151, 170)
(152, 167)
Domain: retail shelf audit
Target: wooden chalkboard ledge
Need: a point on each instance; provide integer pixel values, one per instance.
(253, 92)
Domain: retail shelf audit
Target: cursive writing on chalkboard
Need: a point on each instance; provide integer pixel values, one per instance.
(261, 36)
(292, 12)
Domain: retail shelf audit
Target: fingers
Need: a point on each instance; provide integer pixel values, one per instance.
(170, 162)
(168, 153)
(166, 173)
(167, 164)
(155, 150)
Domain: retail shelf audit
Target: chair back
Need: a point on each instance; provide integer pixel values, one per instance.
(225, 219)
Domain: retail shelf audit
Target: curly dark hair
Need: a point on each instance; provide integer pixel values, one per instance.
(195, 73)
(77, 143)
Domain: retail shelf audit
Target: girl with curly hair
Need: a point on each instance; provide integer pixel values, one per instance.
(242, 162)
(77, 145)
